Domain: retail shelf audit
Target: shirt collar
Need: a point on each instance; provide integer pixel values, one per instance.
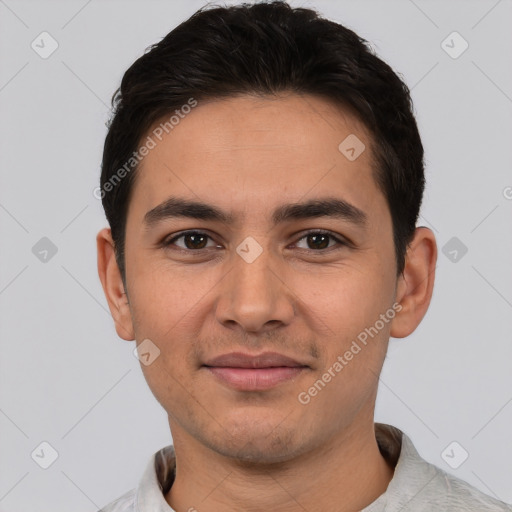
(412, 473)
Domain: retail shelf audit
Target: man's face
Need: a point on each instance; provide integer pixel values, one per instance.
(251, 285)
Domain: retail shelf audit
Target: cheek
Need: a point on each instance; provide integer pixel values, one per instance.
(346, 300)
(162, 297)
(167, 307)
(347, 308)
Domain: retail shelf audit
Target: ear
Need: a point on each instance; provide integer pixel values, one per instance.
(113, 286)
(416, 283)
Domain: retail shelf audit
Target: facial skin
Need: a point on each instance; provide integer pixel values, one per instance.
(264, 450)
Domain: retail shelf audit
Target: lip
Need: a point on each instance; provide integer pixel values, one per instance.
(246, 372)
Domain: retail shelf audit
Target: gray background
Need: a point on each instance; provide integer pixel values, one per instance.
(65, 376)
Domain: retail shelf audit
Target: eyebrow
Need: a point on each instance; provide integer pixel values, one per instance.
(334, 207)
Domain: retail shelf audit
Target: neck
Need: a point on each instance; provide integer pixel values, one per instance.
(346, 474)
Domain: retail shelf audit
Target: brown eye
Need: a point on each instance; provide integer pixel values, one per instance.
(319, 240)
(192, 240)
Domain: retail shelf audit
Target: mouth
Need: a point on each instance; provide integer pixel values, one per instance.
(245, 372)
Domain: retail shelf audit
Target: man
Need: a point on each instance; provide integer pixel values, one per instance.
(262, 178)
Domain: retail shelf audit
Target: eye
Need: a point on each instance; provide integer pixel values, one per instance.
(319, 240)
(192, 240)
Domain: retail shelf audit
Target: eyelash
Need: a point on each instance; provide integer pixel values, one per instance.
(168, 242)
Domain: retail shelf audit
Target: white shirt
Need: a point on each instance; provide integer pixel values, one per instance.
(416, 486)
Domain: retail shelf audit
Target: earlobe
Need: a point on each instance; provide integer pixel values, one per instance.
(416, 284)
(113, 287)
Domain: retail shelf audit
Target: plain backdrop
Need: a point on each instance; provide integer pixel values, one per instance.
(66, 379)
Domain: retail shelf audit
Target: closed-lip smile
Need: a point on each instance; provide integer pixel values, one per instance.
(246, 372)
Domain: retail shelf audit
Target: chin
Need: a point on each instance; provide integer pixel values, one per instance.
(255, 441)
(257, 454)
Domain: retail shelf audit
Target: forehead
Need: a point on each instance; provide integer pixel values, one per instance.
(250, 153)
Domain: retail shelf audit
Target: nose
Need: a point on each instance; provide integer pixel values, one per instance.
(254, 295)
